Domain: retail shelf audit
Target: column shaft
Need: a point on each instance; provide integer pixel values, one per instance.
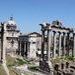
(43, 42)
(59, 44)
(67, 42)
(64, 43)
(20, 48)
(24, 47)
(49, 45)
(18, 52)
(54, 44)
(74, 45)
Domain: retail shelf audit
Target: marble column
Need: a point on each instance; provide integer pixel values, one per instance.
(28, 49)
(4, 47)
(43, 44)
(54, 43)
(24, 48)
(18, 52)
(2, 36)
(49, 44)
(74, 44)
(20, 48)
(67, 42)
(64, 43)
(59, 44)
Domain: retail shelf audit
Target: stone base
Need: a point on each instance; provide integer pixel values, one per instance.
(45, 66)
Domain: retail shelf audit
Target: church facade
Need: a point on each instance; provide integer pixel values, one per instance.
(10, 36)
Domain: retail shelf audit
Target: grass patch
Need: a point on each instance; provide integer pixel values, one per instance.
(2, 71)
(62, 59)
(10, 61)
(21, 62)
(56, 60)
(69, 58)
(33, 68)
(15, 61)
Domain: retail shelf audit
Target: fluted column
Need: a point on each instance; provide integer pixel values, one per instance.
(64, 43)
(20, 48)
(24, 47)
(67, 44)
(54, 44)
(74, 44)
(43, 44)
(59, 53)
(49, 44)
(18, 52)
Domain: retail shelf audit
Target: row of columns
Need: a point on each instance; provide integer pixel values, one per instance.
(64, 43)
(23, 48)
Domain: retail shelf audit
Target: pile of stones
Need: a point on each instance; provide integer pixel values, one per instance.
(44, 66)
(64, 69)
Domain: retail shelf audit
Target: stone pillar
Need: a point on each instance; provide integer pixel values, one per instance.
(64, 43)
(18, 51)
(24, 48)
(49, 44)
(59, 43)
(67, 44)
(28, 49)
(44, 64)
(4, 47)
(74, 44)
(20, 48)
(43, 41)
(54, 44)
(42, 50)
(2, 36)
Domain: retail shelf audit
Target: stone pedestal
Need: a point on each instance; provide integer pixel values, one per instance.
(46, 66)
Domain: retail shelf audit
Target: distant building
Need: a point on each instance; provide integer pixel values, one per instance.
(10, 38)
(30, 45)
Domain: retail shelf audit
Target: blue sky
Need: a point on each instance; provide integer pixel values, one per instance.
(30, 13)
